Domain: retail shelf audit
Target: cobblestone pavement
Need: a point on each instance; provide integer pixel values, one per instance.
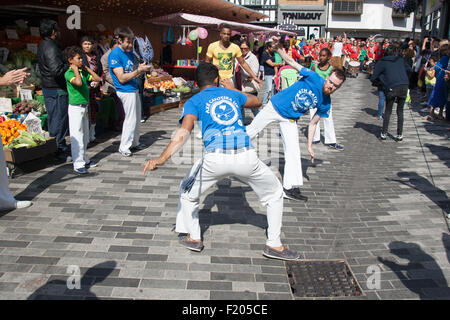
(375, 203)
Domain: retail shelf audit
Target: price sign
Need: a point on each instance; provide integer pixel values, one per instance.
(12, 34)
(5, 105)
(26, 94)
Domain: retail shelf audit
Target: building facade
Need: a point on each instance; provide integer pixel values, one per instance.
(435, 20)
(310, 16)
(267, 7)
(361, 18)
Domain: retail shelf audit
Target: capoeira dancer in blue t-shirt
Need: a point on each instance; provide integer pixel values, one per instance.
(310, 92)
(228, 152)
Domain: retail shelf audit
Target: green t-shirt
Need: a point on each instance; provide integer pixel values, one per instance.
(362, 54)
(78, 95)
(323, 73)
(278, 58)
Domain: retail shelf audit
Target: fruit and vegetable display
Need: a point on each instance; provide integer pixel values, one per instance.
(10, 129)
(156, 73)
(15, 136)
(162, 85)
(28, 106)
(182, 89)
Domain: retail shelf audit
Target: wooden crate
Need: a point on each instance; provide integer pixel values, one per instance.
(27, 154)
(158, 79)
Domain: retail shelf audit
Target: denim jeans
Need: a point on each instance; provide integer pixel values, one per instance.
(396, 94)
(57, 105)
(269, 89)
(381, 101)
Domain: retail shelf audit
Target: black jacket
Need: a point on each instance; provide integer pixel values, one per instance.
(392, 71)
(52, 65)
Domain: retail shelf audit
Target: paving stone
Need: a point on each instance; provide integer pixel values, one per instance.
(384, 199)
(209, 285)
(231, 295)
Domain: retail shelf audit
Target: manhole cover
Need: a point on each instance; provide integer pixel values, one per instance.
(319, 278)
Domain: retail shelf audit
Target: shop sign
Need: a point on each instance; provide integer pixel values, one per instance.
(302, 15)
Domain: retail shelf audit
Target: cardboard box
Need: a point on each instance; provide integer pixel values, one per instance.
(27, 154)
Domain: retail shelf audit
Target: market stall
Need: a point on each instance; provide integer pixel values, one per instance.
(23, 116)
(191, 31)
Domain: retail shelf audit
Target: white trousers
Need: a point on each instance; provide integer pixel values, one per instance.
(293, 176)
(79, 134)
(132, 123)
(248, 168)
(328, 127)
(7, 200)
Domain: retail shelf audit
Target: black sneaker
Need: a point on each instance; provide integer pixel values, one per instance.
(336, 146)
(294, 194)
(316, 142)
(399, 138)
(191, 245)
(383, 136)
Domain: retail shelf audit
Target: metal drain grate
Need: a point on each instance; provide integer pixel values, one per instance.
(322, 278)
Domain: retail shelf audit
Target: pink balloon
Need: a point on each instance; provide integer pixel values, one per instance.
(202, 33)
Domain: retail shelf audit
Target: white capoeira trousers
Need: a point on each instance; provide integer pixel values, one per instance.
(132, 123)
(245, 166)
(79, 134)
(7, 200)
(328, 128)
(293, 176)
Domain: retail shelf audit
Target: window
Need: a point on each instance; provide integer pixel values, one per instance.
(353, 7)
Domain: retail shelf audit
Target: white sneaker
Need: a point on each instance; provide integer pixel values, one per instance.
(23, 204)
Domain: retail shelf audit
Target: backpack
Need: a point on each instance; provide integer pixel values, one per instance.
(143, 50)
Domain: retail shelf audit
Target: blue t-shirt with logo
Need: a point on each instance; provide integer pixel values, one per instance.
(120, 59)
(305, 94)
(219, 112)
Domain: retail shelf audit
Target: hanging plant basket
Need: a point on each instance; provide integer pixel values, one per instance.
(404, 6)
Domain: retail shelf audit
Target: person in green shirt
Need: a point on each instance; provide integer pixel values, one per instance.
(362, 57)
(77, 78)
(324, 69)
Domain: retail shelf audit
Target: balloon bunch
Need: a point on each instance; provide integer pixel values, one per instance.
(199, 33)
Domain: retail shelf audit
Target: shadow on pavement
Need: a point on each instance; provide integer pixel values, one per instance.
(306, 164)
(429, 282)
(58, 289)
(438, 128)
(65, 172)
(371, 112)
(442, 152)
(229, 212)
(415, 181)
(368, 127)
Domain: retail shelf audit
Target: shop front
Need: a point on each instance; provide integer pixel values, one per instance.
(310, 19)
(436, 19)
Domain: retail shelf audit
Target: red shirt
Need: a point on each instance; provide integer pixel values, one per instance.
(306, 49)
(379, 52)
(371, 52)
(354, 53)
